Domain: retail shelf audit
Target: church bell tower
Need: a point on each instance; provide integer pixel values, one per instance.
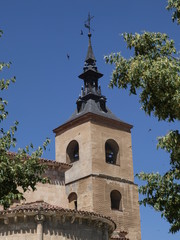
(98, 145)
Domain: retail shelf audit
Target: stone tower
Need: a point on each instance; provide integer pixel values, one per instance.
(98, 145)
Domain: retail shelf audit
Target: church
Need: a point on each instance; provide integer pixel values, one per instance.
(91, 194)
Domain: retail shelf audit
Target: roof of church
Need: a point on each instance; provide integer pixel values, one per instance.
(92, 107)
(48, 162)
(90, 54)
(44, 206)
(55, 163)
(41, 206)
(91, 99)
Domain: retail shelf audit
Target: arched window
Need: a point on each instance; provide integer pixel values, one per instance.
(112, 152)
(72, 200)
(72, 152)
(116, 200)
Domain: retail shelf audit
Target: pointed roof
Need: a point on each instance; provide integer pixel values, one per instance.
(90, 68)
(90, 54)
(91, 99)
(92, 107)
(91, 103)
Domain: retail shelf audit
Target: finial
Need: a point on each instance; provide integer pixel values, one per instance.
(88, 24)
(91, 93)
(90, 54)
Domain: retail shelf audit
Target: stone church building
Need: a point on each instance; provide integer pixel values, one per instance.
(91, 194)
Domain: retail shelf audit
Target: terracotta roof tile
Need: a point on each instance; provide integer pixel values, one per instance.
(43, 206)
(47, 161)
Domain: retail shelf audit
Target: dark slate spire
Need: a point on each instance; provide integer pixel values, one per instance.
(90, 74)
(91, 99)
(91, 104)
(91, 88)
(90, 54)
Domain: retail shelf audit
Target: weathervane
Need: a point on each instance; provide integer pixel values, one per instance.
(87, 23)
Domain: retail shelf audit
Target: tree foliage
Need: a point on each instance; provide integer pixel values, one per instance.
(174, 5)
(18, 172)
(163, 191)
(154, 73)
(154, 70)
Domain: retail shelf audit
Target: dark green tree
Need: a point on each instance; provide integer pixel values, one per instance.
(154, 70)
(21, 171)
(174, 5)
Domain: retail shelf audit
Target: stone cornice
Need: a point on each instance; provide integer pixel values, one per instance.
(93, 118)
(117, 179)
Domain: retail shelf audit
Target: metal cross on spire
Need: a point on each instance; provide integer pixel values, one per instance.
(88, 22)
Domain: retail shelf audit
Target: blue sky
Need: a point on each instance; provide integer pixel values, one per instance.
(38, 35)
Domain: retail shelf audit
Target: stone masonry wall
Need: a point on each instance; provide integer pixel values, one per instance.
(84, 191)
(51, 228)
(53, 192)
(23, 229)
(129, 218)
(99, 135)
(82, 135)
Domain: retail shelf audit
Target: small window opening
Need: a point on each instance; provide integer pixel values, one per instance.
(112, 152)
(116, 200)
(72, 201)
(72, 152)
(75, 205)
